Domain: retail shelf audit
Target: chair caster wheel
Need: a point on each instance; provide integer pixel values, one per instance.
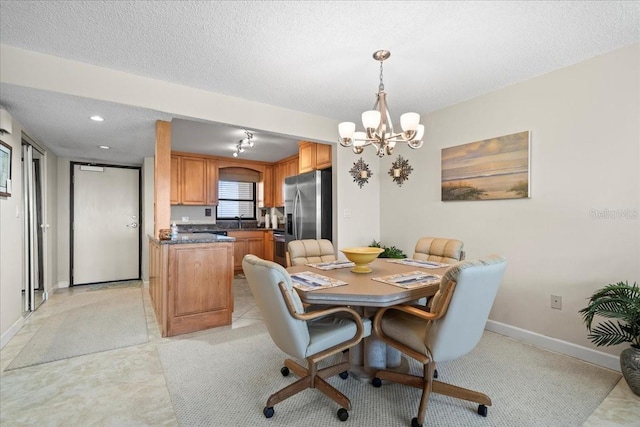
(435, 373)
(482, 410)
(343, 414)
(284, 371)
(268, 411)
(344, 375)
(376, 382)
(414, 423)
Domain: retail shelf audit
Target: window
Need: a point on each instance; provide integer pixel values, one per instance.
(235, 199)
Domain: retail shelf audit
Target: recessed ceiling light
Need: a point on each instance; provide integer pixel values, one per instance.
(104, 147)
(97, 119)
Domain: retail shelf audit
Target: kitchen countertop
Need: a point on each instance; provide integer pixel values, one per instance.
(255, 229)
(196, 238)
(212, 228)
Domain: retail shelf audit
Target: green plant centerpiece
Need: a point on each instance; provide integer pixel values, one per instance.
(389, 251)
(620, 303)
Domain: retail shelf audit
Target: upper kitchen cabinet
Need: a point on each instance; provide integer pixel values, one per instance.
(194, 180)
(313, 156)
(193, 174)
(175, 180)
(265, 189)
(281, 170)
(212, 182)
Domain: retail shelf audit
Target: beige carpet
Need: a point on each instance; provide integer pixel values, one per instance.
(224, 377)
(97, 319)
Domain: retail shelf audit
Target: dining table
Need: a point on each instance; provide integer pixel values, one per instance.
(366, 296)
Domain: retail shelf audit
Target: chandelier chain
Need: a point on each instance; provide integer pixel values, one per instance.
(381, 86)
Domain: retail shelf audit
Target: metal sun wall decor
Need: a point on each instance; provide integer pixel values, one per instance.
(360, 172)
(400, 170)
(496, 168)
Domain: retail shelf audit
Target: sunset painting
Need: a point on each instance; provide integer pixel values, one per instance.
(496, 168)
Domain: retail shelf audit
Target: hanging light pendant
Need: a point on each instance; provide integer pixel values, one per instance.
(378, 125)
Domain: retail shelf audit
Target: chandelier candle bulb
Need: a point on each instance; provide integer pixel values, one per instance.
(346, 130)
(409, 121)
(371, 119)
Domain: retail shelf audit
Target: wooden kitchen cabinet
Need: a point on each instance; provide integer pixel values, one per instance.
(212, 182)
(247, 242)
(265, 196)
(306, 156)
(313, 156)
(292, 167)
(323, 156)
(190, 285)
(283, 169)
(268, 245)
(175, 180)
(194, 180)
(193, 176)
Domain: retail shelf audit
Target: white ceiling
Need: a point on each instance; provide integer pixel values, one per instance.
(308, 56)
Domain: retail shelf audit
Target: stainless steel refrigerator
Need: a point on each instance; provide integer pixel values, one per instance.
(307, 206)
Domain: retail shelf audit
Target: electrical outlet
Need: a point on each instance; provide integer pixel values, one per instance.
(556, 302)
(185, 218)
(207, 212)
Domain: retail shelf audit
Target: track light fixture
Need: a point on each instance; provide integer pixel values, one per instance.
(247, 141)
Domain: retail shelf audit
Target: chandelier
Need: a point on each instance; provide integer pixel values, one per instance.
(248, 141)
(378, 126)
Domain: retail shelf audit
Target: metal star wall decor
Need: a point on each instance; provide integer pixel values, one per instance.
(360, 172)
(400, 170)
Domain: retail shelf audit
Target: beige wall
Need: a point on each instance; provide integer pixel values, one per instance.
(358, 209)
(63, 248)
(11, 234)
(584, 121)
(11, 275)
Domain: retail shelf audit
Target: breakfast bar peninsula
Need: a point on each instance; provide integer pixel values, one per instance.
(190, 282)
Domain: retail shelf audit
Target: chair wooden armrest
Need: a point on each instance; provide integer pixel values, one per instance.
(441, 308)
(325, 312)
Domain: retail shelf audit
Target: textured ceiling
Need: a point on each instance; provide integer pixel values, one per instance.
(310, 56)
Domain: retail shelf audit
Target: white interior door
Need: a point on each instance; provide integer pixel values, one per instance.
(106, 224)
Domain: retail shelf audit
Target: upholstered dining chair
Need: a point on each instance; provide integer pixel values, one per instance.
(439, 249)
(314, 335)
(451, 329)
(310, 251)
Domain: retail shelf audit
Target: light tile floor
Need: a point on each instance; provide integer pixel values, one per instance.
(126, 387)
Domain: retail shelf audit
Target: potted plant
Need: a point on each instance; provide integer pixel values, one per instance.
(619, 302)
(389, 251)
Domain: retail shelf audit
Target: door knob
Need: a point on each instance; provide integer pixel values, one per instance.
(133, 225)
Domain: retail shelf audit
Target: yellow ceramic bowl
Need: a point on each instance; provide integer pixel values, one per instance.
(361, 257)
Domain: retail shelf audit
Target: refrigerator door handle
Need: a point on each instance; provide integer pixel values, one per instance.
(295, 214)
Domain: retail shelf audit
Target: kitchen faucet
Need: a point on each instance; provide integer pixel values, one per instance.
(239, 218)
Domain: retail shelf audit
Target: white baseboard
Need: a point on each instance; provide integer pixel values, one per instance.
(596, 357)
(12, 331)
(62, 285)
(145, 283)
